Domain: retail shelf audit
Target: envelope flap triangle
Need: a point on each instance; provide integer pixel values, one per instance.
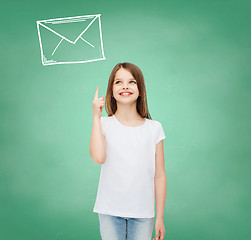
(69, 28)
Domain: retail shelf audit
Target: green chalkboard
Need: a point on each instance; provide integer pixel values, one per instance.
(195, 57)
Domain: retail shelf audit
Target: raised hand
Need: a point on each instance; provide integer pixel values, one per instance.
(97, 104)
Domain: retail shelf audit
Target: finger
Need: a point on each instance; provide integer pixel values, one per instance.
(157, 236)
(96, 93)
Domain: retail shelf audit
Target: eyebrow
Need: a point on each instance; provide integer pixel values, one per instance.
(121, 79)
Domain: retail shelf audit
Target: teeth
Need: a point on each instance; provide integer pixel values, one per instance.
(125, 93)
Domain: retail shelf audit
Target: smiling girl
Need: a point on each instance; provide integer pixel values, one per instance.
(129, 146)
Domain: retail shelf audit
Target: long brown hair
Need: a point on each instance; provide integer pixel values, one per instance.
(110, 101)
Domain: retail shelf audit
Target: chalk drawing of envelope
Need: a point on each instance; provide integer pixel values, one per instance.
(71, 40)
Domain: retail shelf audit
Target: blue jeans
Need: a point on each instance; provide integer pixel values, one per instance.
(120, 228)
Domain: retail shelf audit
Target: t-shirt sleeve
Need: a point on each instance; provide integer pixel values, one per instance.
(160, 135)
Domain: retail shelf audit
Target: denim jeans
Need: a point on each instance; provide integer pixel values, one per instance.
(121, 228)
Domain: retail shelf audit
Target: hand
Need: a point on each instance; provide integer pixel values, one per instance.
(97, 104)
(159, 229)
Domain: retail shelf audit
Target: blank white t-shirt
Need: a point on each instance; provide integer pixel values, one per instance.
(126, 184)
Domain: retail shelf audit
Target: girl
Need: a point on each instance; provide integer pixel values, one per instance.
(129, 145)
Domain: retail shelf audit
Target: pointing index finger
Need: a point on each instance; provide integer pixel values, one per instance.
(96, 93)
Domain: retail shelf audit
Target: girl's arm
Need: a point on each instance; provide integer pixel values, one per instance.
(97, 143)
(160, 191)
(160, 180)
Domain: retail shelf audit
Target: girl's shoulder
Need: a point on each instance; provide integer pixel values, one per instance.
(154, 122)
(106, 118)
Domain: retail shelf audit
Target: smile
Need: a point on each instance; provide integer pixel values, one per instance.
(125, 94)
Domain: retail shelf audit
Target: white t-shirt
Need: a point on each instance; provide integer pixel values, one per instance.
(126, 184)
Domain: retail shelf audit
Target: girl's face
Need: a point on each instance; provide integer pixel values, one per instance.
(125, 82)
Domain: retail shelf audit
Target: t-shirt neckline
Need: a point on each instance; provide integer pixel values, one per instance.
(127, 126)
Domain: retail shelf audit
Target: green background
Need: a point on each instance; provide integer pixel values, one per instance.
(195, 57)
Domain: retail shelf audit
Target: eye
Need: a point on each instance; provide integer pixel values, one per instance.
(130, 81)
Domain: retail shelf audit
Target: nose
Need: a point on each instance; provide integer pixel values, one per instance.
(125, 87)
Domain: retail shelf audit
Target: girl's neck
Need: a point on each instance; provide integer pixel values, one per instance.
(128, 117)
